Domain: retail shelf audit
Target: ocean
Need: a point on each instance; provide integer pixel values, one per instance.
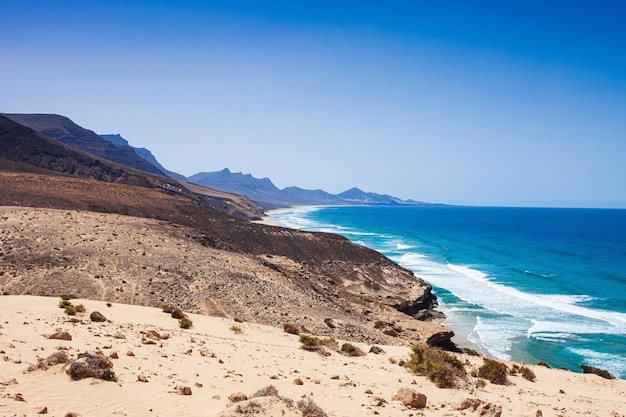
(526, 284)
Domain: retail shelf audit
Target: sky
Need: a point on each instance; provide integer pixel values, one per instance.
(505, 103)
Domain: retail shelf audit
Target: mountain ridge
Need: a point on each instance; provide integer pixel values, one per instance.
(264, 192)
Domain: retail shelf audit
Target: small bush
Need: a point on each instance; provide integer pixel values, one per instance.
(236, 329)
(329, 322)
(379, 324)
(470, 352)
(542, 363)
(65, 304)
(291, 328)
(79, 308)
(527, 373)
(391, 332)
(351, 350)
(166, 309)
(310, 409)
(312, 341)
(185, 323)
(109, 305)
(440, 367)
(67, 297)
(493, 371)
(54, 359)
(597, 371)
(92, 366)
(268, 391)
(271, 391)
(70, 310)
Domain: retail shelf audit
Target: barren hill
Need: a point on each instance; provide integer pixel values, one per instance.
(162, 243)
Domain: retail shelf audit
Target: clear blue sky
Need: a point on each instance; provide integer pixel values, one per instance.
(460, 102)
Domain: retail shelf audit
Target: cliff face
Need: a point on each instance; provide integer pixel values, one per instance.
(22, 149)
(64, 130)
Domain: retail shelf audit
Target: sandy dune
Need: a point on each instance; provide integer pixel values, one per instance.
(215, 361)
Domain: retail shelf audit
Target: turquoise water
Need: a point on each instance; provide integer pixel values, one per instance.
(527, 284)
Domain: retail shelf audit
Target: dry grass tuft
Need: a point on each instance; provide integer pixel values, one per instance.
(310, 409)
(56, 358)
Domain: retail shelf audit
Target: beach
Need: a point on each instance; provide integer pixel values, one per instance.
(219, 357)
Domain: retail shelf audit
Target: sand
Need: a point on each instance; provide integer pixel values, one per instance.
(218, 357)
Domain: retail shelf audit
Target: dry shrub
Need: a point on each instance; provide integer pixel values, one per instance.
(440, 367)
(493, 371)
(597, 371)
(310, 409)
(527, 373)
(271, 391)
(249, 409)
(185, 323)
(92, 366)
(351, 350)
(470, 352)
(544, 364)
(291, 328)
(268, 391)
(54, 359)
(330, 323)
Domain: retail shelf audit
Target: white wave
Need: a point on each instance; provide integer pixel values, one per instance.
(556, 302)
(402, 246)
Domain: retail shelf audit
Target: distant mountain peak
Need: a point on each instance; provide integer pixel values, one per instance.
(263, 191)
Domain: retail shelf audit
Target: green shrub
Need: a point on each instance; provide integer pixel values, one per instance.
(527, 373)
(79, 308)
(311, 341)
(65, 304)
(236, 329)
(70, 310)
(597, 371)
(440, 367)
(185, 323)
(166, 309)
(291, 328)
(67, 297)
(493, 371)
(351, 350)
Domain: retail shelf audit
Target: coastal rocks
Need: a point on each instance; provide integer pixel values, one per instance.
(410, 398)
(442, 339)
(60, 336)
(490, 410)
(468, 404)
(97, 317)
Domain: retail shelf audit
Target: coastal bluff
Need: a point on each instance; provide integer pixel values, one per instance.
(244, 271)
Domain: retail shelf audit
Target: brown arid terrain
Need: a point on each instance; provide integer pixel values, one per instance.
(152, 367)
(149, 262)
